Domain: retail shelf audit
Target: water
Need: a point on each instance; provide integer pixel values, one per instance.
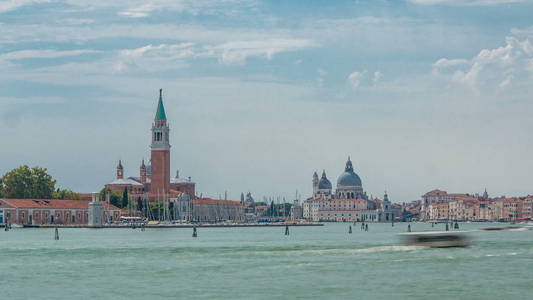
(262, 263)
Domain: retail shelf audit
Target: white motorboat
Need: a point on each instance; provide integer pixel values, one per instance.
(437, 239)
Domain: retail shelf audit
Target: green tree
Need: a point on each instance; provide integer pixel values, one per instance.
(66, 194)
(26, 182)
(125, 198)
(114, 197)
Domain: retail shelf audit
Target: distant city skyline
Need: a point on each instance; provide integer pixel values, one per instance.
(421, 94)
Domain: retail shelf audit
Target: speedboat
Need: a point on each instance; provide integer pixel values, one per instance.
(436, 239)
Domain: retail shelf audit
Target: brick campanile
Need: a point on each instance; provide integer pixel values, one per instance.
(160, 152)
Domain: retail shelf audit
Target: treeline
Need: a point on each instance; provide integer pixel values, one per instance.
(32, 183)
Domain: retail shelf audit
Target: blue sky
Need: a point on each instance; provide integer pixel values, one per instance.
(421, 94)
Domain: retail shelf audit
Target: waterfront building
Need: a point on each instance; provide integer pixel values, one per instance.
(211, 210)
(349, 202)
(181, 207)
(311, 209)
(296, 210)
(438, 205)
(96, 212)
(52, 211)
(527, 208)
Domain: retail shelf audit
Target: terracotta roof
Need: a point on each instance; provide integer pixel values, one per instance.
(512, 200)
(215, 202)
(435, 192)
(174, 192)
(52, 204)
(86, 196)
(462, 197)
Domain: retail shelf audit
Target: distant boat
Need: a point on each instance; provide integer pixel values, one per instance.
(437, 239)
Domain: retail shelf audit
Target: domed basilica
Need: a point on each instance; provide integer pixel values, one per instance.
(349, 185)
(349, 203)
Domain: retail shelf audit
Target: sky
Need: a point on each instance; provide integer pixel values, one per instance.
(421, 94)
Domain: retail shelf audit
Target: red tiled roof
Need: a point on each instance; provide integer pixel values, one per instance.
(215, 202)
(52, 204)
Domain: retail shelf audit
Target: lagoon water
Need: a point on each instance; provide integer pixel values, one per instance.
(262, 263)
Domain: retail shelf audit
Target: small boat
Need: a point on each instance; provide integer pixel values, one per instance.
(502, 228)
(436, 239)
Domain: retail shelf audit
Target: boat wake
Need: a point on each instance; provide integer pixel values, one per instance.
(378, 249)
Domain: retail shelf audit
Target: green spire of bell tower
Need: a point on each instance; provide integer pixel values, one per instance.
(160, 113)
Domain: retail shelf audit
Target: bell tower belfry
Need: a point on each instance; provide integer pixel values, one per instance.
(160, 149)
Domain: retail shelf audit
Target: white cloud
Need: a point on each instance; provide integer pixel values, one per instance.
(237, 52)
(171, 56)
(465, 2)
(500, 67)
(139, 11)
(154, 58)
(354, 79)
(444, 62)
(377, 77)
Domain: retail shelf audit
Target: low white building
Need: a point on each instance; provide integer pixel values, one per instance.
(311, 208)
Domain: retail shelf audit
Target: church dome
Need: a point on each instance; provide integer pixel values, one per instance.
(324, 183)
(349, 177)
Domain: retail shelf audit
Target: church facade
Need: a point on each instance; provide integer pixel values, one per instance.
(348, 203)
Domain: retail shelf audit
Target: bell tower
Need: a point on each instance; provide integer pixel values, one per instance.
(120, 170)
(160, 151)
(142, 172)
(315, 184)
